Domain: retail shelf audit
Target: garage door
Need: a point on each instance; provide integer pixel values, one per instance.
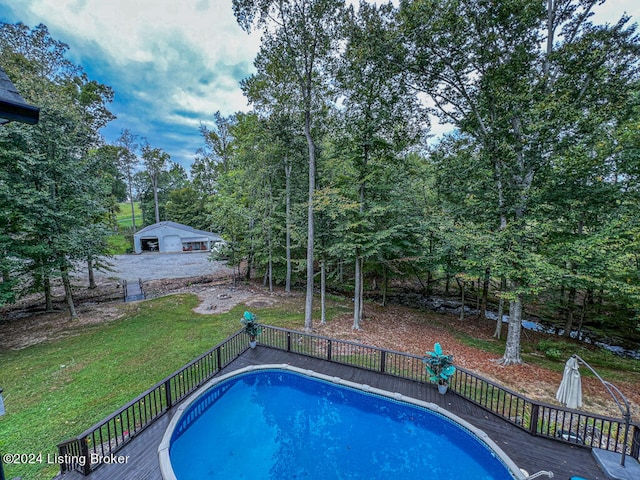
(172, 243)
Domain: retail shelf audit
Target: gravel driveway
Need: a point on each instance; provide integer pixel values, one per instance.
(155, 266)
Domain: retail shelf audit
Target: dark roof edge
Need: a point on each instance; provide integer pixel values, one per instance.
(19, 112)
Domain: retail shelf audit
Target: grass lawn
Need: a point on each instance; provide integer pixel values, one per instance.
(119, 244)
(56, 390)
(124, 217)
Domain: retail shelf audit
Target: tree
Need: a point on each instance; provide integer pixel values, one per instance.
(128, 162)
(155, 162)
(186, 205)
(524, 82)
(55, 200)
(380, 116)
(299, 37)
(214, 157)
(107, 160)
(172, 177)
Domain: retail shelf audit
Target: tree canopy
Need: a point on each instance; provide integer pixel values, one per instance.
(529, 200)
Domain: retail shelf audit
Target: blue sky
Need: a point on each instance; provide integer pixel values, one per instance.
(171, 63)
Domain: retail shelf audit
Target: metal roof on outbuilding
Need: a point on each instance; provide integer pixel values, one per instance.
(179, 226)
(166, 237)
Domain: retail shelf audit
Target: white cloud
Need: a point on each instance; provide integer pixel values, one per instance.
(172, 63)
(166, 45)
(612, 10)
(132, 30)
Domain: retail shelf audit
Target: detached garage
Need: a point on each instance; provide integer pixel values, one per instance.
(174, 237)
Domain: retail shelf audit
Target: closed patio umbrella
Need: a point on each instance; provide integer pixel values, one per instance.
(570, 390)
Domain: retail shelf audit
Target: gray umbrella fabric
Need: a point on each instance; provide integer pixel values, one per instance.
(570, 390)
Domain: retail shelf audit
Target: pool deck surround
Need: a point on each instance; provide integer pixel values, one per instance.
(528, 452)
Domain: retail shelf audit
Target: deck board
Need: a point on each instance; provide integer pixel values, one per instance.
(528, 452)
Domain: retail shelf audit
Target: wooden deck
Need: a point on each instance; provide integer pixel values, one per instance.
(528, 452)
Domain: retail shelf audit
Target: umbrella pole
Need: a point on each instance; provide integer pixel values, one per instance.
(617, 396)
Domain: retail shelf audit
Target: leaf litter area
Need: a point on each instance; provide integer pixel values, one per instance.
(414, 331)
(392, 327)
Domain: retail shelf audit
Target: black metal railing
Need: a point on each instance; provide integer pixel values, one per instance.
(83, 452)
(537, 418)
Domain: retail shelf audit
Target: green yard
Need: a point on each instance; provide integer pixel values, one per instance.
(56, 390)
(121, 242)
(124, 217)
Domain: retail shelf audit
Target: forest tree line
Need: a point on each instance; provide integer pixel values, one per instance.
(333, 178)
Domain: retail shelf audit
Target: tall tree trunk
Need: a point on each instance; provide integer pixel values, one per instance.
(571, 301)
(156, 207)
(133, 210)
(385, 285)
(323, 291)
(92, 279)
(287, 171)
(583, 315)
(308, 306)
(485, 293)
(269, 240)
(233, 256)
(361, 288)
(48, 298)
(571, 305)
(68, 293)
(512, 348)
(503, 285)
(251, 253)
(270, 269)
(523, 180)
(357, 292)
(462, 289)
(247, 275)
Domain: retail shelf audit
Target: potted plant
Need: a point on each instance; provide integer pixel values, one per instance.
(439, 367)
(251, 327)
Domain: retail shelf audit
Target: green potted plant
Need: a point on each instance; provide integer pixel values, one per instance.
(251, 327)
(439, 367)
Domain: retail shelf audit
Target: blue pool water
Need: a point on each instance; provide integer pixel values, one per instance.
(275, 424)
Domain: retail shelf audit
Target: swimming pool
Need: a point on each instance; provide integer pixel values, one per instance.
(281, 422)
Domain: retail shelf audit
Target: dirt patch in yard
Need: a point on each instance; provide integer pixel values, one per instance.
(27, 322)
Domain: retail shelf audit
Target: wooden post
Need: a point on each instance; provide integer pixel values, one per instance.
(84, 452)
(635, 441)
(535, 412)
(167, 392)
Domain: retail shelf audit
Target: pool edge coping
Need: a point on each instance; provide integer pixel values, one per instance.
(166, 469)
